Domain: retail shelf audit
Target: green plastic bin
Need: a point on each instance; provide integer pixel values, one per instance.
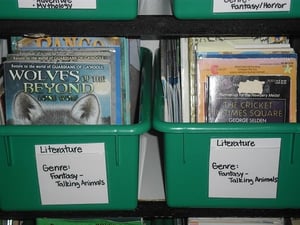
(229, 9)
(69, 9)
(188, 168)
(20, 189)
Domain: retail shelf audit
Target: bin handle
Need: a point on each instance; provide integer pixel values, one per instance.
(8, 150)
(117, 150)
(183, 149)
(293, 140)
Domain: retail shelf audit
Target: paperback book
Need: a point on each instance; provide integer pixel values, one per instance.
(60, 92)
(19, 43)
(248, 99)
(200, 48)
(82, 46)
(247, 65)
(192, 46)
(171, 79)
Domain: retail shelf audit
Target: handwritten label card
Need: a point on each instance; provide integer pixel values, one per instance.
(244, 168)
(72, 173)
(57, 4)
(222, 6)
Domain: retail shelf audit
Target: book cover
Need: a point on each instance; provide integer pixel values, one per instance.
(19, 43)
(184, 75)
(248, 99)
(59, 43)
(237, 45)
(173, 80)
(163, 78)
(59, 92)
(192, 77)
(246, 65)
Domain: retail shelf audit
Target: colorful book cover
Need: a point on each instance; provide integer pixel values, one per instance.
(246, 65)
(184, 75)
(19, 43)
(54, 43)
(234, 45)
(59, 92)
(192, 78)
(248, 99)
(125, 81)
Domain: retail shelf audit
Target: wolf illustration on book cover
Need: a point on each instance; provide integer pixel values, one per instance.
(55, 93)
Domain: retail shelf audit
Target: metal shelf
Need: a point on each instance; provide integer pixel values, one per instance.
(152, 27)
(155, 209)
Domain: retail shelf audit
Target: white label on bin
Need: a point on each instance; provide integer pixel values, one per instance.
(57, 4)
(226, 6)
(244, 168)
(72, 173)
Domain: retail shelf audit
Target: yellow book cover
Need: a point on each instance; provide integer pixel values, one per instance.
(255, 64)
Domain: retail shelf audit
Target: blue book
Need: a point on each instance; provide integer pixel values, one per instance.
(21, 44)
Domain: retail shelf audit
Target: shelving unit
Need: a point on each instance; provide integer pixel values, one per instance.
(153, 28)
(156, 209)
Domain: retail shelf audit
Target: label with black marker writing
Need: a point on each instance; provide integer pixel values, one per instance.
(244, 168)
(232, 6)
(72, 173)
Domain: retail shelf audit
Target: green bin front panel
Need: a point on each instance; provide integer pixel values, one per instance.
(194, 9)
(20, 188)
(187, 172)
(99, 10)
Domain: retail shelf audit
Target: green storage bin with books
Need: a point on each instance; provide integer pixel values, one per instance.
(69, 9)
(74, 167)
(226, 165)
(231, 9)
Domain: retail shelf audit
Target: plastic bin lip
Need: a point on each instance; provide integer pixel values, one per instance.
(274, 128)
(78, 130)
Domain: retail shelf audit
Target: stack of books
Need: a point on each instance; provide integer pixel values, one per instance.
(229, 79)
(71, 80)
